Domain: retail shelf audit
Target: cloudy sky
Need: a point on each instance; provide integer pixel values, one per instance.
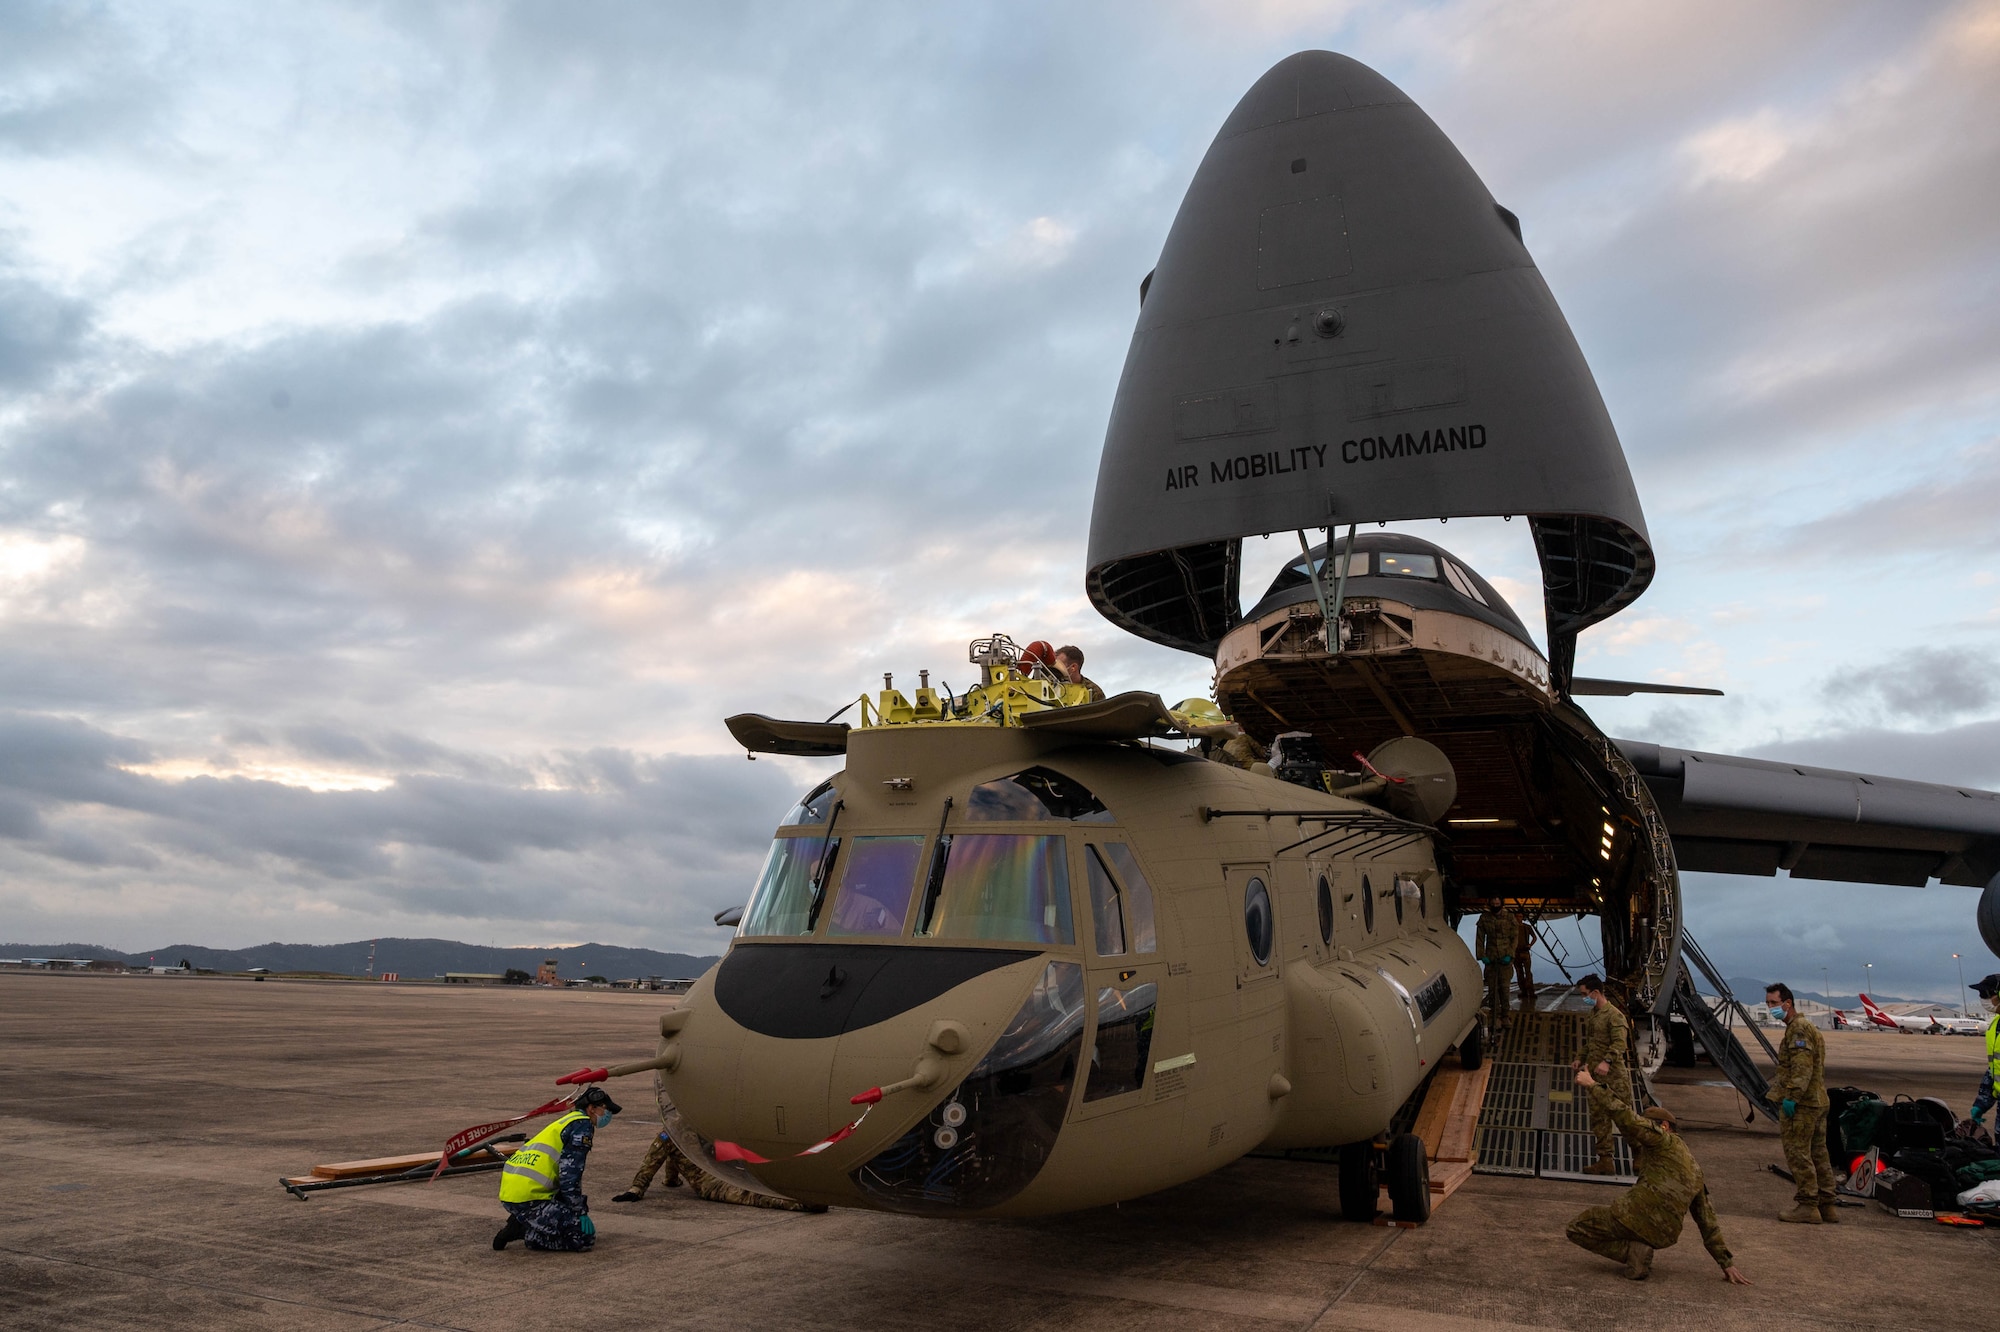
(420, 425)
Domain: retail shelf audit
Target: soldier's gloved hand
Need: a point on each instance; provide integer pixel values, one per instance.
(1788, 1107)
(1978, 1116)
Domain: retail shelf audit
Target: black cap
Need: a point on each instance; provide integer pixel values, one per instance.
(1985, 988)
(598, 1096)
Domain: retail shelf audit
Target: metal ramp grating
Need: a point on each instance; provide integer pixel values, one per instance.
(1535, 1120)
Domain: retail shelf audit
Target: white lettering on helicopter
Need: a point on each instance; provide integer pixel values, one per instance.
(1373, 448)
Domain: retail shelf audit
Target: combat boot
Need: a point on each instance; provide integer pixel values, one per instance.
(510, 1232)
(1604, 1165)
(1638, 1261)
(1805, 1214)
(1829, 1214)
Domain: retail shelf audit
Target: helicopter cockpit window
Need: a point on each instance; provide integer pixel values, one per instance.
(1007, 887)
(783, 902)
(1401, 564)
(875, 888)
(1124, 1041)
(1036, 795)
(1104, 913)
(1136, 898)
(815, 807)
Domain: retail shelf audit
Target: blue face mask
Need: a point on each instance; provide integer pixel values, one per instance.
(1777, 1013)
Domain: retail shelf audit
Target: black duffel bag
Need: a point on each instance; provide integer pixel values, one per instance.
(1934, 1170)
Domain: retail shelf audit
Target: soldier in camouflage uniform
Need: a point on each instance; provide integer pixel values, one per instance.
(1648, 1215)
(1604, 1057)
(1524, 966)
(1800, 1091)
(664, 1154)
(1499, 930)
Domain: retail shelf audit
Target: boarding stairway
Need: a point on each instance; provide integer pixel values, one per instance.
(1715, 1033)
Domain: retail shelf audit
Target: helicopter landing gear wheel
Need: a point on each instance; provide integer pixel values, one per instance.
(1359, 1184)
(1409, 1179)
(1472, 1050)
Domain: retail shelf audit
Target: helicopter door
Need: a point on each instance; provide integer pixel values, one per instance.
(1252, 898)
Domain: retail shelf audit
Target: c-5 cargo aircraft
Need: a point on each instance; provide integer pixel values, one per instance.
(1019, 957)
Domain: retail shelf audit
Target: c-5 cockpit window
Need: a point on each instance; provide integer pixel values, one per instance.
(1466, 587)
(875, 887)
(1004, 887)
(1036, 795)
(1402, 564)
(1298, 572)
(783, 902)
(814, 807)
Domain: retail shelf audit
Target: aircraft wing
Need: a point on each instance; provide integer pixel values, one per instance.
(1753, 816)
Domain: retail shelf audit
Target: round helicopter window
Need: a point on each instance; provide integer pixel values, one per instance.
(1367, 905)
(1325, 911)
(1257, 920)
(1397, 890)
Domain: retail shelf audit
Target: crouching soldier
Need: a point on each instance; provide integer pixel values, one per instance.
(1648, 1215)
(541, 1186)
(664, 1155)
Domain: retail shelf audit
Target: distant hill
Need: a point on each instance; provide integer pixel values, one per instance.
(410, 957)
(1750, 993)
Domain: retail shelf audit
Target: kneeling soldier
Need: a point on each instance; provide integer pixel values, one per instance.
(541, 1186)
(1648, 1215)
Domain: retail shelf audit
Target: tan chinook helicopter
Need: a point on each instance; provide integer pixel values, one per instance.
(1018, 956)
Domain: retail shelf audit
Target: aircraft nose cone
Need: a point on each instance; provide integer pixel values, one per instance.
(1341, 308)
(1309, 84)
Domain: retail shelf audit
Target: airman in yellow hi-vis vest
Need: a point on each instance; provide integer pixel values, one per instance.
(541, 1186)
(1988, 988)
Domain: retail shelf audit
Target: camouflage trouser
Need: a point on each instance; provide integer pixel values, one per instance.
(663, 1153)
(1602, 1128)
(1804, 1136)
(1524, 973)
(551, 1225)
(1499, 979)
(1596, 1229)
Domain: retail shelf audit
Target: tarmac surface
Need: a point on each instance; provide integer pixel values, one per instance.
(149, 1118)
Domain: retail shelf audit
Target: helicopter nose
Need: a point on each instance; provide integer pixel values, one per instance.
(948, 1106)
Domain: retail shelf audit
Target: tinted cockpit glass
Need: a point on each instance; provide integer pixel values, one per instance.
(875, 887)
(1005, 887)
(1399, 564)
(1036, 795)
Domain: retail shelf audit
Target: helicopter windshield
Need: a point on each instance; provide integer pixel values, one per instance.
(1003, 886)
(875, 889)
(783, 901)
